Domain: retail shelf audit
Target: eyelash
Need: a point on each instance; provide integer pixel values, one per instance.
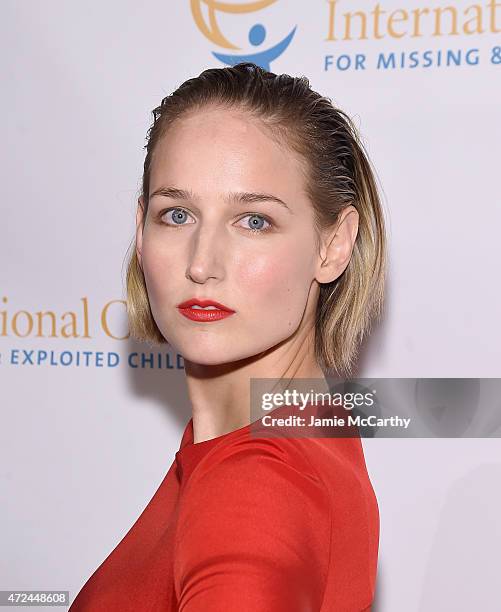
(250, 229)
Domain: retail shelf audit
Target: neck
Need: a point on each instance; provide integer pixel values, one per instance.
(221, 394)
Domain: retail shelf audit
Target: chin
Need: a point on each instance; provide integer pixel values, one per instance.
(210, 357)
(198, 348)
(213, 354)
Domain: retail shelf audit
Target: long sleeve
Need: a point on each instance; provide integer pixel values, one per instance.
(253, 531)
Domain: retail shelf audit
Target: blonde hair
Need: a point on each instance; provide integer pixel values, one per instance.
(338, 174)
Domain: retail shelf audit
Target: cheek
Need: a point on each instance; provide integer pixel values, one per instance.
(279, 278)
(159, 263)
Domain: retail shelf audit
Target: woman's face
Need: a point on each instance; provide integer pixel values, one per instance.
(250, 253)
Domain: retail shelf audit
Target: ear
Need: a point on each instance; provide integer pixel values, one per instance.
(139, 229)
(337, 245)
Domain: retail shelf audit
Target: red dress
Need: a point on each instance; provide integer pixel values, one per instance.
(248, 524)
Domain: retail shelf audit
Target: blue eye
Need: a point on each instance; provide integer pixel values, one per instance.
(255, 223)
(179, 215)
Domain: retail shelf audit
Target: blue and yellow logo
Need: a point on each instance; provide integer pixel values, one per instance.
(257, 33)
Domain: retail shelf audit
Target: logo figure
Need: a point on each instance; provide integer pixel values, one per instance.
(257, 33)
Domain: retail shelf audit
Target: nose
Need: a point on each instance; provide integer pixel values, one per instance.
(205, 255)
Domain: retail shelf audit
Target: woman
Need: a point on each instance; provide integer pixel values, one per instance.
(259, 253)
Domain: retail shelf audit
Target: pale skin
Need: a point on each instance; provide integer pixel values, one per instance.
(269, 278)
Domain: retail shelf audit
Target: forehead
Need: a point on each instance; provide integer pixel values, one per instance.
(225, 149)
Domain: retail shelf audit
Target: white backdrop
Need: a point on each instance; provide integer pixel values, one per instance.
(87, 436)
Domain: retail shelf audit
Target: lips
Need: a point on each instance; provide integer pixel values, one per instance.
(204, 310)
(204, 303)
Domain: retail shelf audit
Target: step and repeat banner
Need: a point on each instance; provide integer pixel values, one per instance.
(91, 419)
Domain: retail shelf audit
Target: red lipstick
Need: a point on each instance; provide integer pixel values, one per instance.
(204, 314)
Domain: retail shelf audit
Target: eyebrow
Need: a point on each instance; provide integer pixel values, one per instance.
(238, 197)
